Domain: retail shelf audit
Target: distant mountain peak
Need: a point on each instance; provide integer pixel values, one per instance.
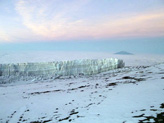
(123, 53)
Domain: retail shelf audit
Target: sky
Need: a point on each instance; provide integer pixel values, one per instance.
(98, 25)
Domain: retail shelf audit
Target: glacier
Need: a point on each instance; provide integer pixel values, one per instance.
(18, 71)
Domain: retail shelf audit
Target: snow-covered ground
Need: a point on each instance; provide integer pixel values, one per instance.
(129, 95)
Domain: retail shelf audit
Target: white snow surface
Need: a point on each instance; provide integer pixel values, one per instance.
(125, 95)
(109, 97)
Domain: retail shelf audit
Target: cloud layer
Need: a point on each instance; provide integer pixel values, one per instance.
(76, 19)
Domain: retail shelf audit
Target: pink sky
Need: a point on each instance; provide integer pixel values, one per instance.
(29, 20)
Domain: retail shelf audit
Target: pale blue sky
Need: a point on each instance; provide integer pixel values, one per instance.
(84, 22)
(136, 46)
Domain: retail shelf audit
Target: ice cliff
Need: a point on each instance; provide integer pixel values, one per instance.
(12, 72)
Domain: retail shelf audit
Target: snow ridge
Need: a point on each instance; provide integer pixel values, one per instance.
(11, 72)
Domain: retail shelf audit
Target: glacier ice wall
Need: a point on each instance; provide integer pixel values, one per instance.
(58, 68)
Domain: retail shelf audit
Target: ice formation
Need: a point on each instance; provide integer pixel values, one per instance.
(59, 68)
